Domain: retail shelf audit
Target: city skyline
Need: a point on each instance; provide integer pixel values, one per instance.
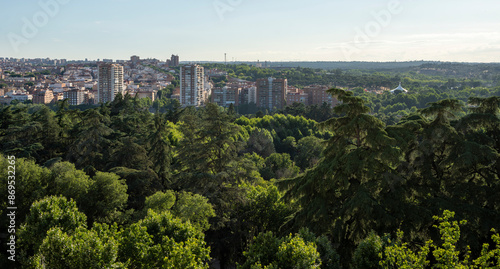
(402, 30)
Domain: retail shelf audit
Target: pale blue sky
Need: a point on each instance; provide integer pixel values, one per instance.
(250, 30)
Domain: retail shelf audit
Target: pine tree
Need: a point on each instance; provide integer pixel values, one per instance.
(89, 149)
(344, 194)
(160, 150)
(49, 135)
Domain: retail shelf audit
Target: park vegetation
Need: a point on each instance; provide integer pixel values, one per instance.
(120, 186)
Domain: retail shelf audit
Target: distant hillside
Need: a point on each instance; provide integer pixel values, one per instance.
(442, 67)
(388, 66)
(333, 65)
(304, 73)
(350, 65)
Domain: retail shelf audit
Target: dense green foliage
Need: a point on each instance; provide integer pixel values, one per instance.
(119, 186)
(268, 251)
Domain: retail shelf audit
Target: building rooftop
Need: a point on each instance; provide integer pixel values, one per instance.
(399, 89)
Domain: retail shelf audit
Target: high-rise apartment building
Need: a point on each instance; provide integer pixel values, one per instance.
(110, 82)
(192, 92)
(135, 59)
(296, 95)
(317, 95)
(76, 96)
(225, 96)
(173, 61)
(249, 95)
(271, 93)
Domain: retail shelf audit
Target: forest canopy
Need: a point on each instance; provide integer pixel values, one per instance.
(378, 181)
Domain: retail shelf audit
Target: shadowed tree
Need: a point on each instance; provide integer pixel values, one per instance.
(175, 112)
(21, 140)
(427, 156)
(89, 149)
(218, 137)
(473, 184)
(344, 194)
(49, 135)
(128, 117)
(279, 166)
(188, 146)
(207, 149)
(438, 137)
(309, 152)
(140, 184)
(7, 118)
(210, 166)
(21, 133)
(128, 153)
(260, 142)
(67, 119)
(160, 151)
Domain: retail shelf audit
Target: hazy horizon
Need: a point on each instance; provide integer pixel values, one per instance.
(278, 31)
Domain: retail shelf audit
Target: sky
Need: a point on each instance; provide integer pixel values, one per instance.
(251, 30)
